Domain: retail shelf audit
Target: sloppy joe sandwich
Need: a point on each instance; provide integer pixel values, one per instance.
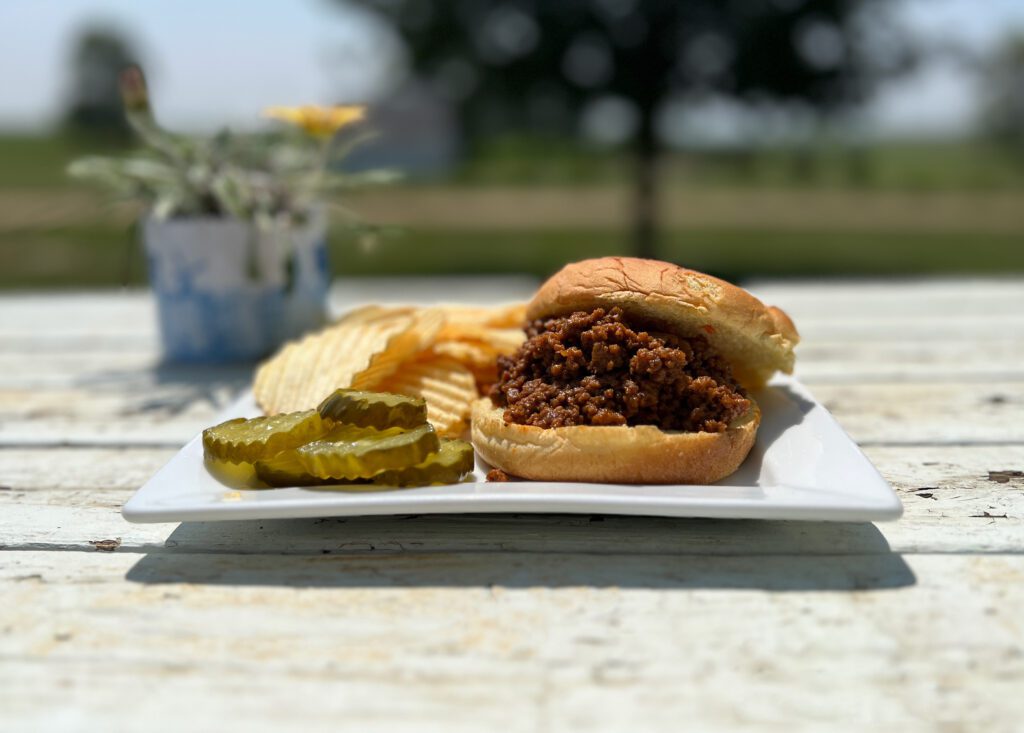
(633, 371)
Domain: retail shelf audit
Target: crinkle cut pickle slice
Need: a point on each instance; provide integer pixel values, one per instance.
(351, 452)
(245, 440)
(448, 466)
(374, 409)
(285, 469)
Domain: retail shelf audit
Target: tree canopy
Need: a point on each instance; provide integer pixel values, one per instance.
(527, 65)
(535, 66)
(94, 107)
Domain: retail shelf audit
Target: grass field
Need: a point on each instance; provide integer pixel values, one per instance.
(904, 166)
(927, 166)
(537, 207)
(100, 257)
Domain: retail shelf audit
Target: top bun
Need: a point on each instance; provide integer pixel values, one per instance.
(756, 340)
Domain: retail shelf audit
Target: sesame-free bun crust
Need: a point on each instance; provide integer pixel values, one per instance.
(757, 340)
(641, 454)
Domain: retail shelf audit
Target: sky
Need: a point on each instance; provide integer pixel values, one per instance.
(209, 62)
(217, 62)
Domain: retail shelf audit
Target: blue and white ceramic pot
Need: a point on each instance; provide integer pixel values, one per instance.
(227, 290)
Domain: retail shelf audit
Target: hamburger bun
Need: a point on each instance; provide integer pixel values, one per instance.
(757, 340)
(642, 454)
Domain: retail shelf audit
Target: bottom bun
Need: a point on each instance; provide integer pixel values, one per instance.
(643, 454)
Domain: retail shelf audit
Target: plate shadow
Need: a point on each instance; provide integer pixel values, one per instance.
(526, 551)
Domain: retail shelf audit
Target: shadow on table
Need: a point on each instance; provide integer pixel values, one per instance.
(524, 551)
(171, 389)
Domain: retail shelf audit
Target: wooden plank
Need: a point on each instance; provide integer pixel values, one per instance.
(133, 310)
(951, 502)
(524, 642)
(951, 506)
(46, 315)
(964, 524)
(948, 330)
(160, 408)
(919, 296)
(38, 344)
(54, 471)
(941, 413)
(170, 401)
(842, 361)
(28, 524)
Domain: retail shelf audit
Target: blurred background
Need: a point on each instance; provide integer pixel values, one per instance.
(762, 137)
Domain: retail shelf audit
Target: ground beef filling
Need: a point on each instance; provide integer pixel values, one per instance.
(598, 368)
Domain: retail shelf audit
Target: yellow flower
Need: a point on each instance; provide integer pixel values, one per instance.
(318, 121)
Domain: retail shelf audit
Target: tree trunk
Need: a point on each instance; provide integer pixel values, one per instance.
(645, 203)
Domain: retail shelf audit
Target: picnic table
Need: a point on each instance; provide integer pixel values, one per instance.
(517, 622)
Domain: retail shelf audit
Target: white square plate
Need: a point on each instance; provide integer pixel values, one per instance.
(803, 466)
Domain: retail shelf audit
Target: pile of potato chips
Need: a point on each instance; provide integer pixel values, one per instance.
(445, 354)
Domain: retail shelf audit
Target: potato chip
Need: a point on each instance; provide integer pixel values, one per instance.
(471, 354)
(445, 354)
(448, 387)
(370, 339)
(372, 313)
(427, 323)
(503, 316)
(500, 340)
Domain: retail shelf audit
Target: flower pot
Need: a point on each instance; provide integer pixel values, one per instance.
(227, 290)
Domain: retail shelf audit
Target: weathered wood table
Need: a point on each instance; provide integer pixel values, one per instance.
(518, 623)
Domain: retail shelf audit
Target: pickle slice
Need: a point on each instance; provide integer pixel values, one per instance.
(349, 452)
(374, 409)
(448, 466)
(247, 440)
(285, 469)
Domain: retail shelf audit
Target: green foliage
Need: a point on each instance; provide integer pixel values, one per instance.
(266, 177)
(1004, 88)
(94, 110)
(529, 67)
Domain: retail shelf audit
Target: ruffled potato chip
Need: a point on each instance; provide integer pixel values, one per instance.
(471, 354)
(448, 387)
(511, 315)
(362, 348)
(500, 340)
(479, 357)
(446, 354)
(421, 334)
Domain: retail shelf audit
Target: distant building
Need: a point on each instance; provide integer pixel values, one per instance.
(418, 134)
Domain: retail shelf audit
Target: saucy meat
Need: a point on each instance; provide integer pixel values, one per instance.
(599, 368)
(496, 474)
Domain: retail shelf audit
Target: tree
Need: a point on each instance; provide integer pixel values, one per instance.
(95, 107)
(1004, 109)
(523, 65)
